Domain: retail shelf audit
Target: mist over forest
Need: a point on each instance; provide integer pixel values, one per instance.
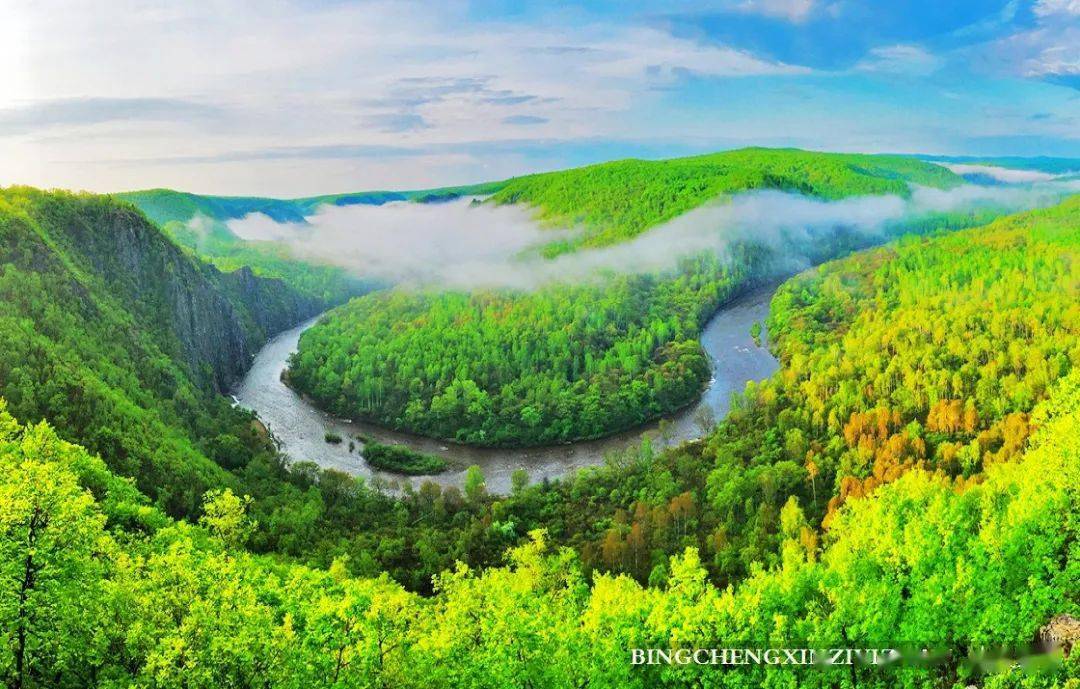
(467, 243)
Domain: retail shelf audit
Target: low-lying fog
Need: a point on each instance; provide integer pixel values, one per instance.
(1001, 175)
(466, 244)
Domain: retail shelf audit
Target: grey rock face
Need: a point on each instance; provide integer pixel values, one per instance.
(213, 322)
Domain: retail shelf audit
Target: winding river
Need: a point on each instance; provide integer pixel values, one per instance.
(300, 428)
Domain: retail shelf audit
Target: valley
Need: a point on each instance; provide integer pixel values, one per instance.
(300, 427)
(761, 449)
(606, 350)
(383, 344)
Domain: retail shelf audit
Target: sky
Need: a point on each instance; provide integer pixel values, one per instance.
(294, 98)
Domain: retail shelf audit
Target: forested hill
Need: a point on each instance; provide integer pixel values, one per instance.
(123, 340)
(166, 205)
(613, 201)
(198, 223)
(571, 361)
(609, 202)
(620, 199)
(203, 317)
(1047, 164)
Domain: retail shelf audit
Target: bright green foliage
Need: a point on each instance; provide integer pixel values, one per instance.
(621, 199)
(928, 409)
(49, 570)
(929, 354)
(564, 363)
(54, 550)
(92, 301)
(311, 204)
(165, 205)
(330, 285)
(198, 223)
(497, 368)
(934, 552)
(402, 459)
(177, 607)
(475, 485)
(88, 340)
(726, 496)
(225, 516)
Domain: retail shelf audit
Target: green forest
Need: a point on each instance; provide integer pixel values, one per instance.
(911, 474)
(90, 339)
(620, 199)
(497, 368)
(569, 362)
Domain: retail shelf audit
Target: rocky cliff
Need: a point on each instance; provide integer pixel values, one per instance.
(211, 322)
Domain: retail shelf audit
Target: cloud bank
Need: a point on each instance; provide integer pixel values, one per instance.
(1003, 175)
(404, 242)
(466, 244)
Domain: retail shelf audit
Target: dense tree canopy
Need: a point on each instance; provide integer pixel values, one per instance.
(562, 363)
(199, 223)
(617, 200)
(928, 354)
(88, 342)
(118, 595)
(909, 475)
(567, 362)
(83, 346)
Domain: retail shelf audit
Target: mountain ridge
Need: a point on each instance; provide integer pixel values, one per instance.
(127, 342)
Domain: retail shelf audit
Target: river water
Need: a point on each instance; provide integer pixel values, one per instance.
(300, 428)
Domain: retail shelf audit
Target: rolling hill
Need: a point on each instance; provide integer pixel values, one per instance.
(567, 362)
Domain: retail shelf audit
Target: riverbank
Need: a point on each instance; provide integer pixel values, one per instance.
(300, 428)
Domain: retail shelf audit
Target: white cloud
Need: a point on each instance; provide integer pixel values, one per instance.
(1060, 57)
(900, 59)
(465, 245)
(658, 55)
(1040, 54)
(1045, 8)
(388, 72)
(1048, 50)
(791, 10)
(140, 93)
(454, 243)
(1001, 174)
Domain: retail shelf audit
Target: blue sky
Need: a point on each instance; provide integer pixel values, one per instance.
(312, 96)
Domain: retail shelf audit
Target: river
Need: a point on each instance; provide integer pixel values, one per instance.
(300, 428)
